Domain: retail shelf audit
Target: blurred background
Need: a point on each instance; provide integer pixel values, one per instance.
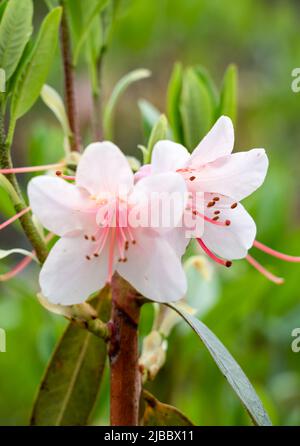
(253, 317)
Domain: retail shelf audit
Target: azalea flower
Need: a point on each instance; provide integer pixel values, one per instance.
(92, 217)
(223, 179)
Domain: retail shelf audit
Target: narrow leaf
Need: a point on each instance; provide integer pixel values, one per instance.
(119, 89)
(229, 367)
(69, 389)
(205, 77)
(196, 109)
(53, 100)
(156, 413)
(150, 116)
(159, 132)
(15, 31)
(228, 102)
(173, 101)
(36, 67)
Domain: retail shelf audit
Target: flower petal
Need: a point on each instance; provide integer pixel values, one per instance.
(160, 200)
(217, 143)
(234, 241)
(236, 176)
(61, 207)
(168, 156)
(67, 277)
(153, 268)
(104, 169)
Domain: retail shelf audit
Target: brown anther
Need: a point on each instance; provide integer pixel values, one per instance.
(228, 264)
(217, 212)
(58, 173)
(227, 222)
(216, 218)
(87, 257)
(211, 204)
(96, 254)
(134, 242)
(192, 178)
(216, 199)
(126, 245)
(234, 205)
(125, 260)
(93, 238)
(194, 212)
(86, 237)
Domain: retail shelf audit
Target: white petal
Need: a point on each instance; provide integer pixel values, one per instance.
(217, 143)
(168, 156)
(67, 277)
(104, 169)
(61, 207)
(236, 176)
(177, 239)
(153, 268)
(234, 241)
(161, 200)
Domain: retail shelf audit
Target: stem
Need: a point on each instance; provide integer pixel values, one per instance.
(69, 80)
(29, 228)
(97, 99)
(123, 353)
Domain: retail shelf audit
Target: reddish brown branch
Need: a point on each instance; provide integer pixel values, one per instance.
(69, 81)
(123, 353)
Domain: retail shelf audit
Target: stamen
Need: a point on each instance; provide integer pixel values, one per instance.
(264, 271)
(211, 204)
(111, 254)
(65, 177)
(210, 220)
(192, 178)
(234, 205)
(274, 253)
(216, 259)
(31, 169)
(14, 218)
(216, 199)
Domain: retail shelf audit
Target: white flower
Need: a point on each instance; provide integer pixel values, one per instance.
(97, 238)
(224, 179)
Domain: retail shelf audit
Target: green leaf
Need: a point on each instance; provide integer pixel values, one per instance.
(3, 5)
(205, 77)
(228, 102)
(69, 389)
(91, 11)
(159, 132)
(230, 369)
(53, 100)
(150, 116)
(15, 31)
(119, 89)
(156, 413)
(196, 109)
(173, 101)
(34, 72)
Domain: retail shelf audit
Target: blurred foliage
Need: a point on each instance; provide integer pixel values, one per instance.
(253, 318)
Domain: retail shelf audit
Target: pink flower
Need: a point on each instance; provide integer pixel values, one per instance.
(92, 217)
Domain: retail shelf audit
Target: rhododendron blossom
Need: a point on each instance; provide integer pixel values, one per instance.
(224, 179)
(98, 237)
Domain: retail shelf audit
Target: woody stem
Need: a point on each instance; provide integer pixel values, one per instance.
(123, 354)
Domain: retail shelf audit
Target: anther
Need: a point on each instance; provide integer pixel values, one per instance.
(134, 242)
(96, 254)
(217, 212)
(58, 173)
(93, 238)
(86, 237)
(211, 204)
(87, 257)
(228, 264)
(234, 205)
(216, 218)
(216, 199)
(227, 222)
(192, 178)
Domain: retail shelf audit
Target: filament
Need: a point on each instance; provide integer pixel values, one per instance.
(264, 271)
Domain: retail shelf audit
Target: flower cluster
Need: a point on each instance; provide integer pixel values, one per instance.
(102, 216)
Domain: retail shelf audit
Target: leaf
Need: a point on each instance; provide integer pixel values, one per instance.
(156, 413)
(53, 100)
(23, 252)
(34, 72)
(69, 389)
(230, 369)
(150, 116)
(159, 132)
(15, 31)
(205, 77)
(173, 101)
(228, 102)
(196, 109)
(88, 22)
(119, 89)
